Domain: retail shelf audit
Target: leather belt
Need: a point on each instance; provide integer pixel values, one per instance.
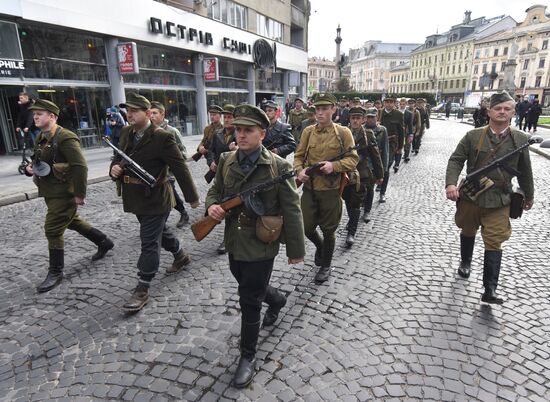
(131, 180)
(246, 220)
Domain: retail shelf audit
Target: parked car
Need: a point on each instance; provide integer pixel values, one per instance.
(440, 108)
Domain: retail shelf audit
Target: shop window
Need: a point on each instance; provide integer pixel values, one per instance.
(233, 75)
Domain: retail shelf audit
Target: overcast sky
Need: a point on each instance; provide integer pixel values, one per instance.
(405, 21)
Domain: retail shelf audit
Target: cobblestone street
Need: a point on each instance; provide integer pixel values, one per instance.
(394, 322)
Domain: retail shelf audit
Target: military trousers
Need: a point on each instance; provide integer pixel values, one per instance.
(253, 279)
(62, 215)
(494, 223)
(154, 234)
(418, 140)
(323, 209)
(354, 194)
(180, 206)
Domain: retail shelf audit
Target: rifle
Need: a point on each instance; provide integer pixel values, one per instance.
(316, 167)
(128, 163)
(197, 155)
(476, 182)
(209, 176)
(204, 226)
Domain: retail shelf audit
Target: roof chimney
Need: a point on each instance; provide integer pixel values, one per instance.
(467, 17)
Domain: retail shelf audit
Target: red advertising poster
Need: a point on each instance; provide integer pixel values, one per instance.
(210, 65)
(127, 58)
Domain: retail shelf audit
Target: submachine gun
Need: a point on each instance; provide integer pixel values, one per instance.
(204, 226)
(132, 166)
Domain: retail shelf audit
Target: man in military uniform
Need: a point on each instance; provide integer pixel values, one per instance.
(343, 112)
(489, 209)
(407, 126)
(295, 118)
(215, 113)
(355, 192)
(381, 135)
(392, 119)
(158, 113)
(307, 122)
(251, 259)
(378, 104)
(61, 177)
(356, 102)
(424, 123)
(223, 141)
(156, 151)
(321, 201)
(278, 138)
(414, 129)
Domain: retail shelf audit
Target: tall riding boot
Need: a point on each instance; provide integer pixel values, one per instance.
(324, 272)
(55, 271)
(397, 162)
(367, 203)
(247, 363)
(384, 187)
(104, 244)
(349, 215)
(466, 251)
(276, 301)
(352, 226)
(491, 271)
(318, 242)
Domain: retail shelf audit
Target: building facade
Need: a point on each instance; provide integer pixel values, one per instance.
(189, 54)
(321, 75)
(399, 79)
(370, 64)
(442, 64)
(524, 50)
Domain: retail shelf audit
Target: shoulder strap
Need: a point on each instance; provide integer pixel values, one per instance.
(231, 158)
(339, 136)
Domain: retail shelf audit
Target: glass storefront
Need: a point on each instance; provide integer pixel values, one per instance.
(223, 98)
(233, 75)
(269, 81)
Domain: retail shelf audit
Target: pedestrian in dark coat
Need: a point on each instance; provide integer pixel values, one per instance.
(533, 114)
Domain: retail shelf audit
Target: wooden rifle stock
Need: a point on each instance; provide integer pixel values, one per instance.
(196, 156)
(313, 169)
(204, 226)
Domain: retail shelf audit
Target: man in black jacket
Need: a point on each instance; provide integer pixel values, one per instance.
(278, 139)
(25, 123)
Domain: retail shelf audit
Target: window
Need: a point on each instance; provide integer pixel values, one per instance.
(453, 69)
(465, 68)
(484, 68)
(454, 56)
(478, 52)
(494, 68)
(447, 69)
(440, 70)
(505, 51)
(474, 82)
(486, 52)
(537, 81)
(525, 64)
(229, 12)
(452, 82)
(544, 44)
(448, 57)
(522, 83)
(500, 83)
(269, 28)
(541, 63)
(464, 82)
(495, 53)
(503, 66)
(529, 46)
(459, 68)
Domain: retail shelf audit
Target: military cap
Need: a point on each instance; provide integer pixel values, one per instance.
(158, 105)
(402, 99)
(357, 99)
(372, 111)
(215, 109)
(421, 100)
(299, 99)
(271, 104)
(136, 101)
(343, 98)
(377, 102)
(324, 98)
(248, 115)
(228, 109)
(499, 97)
(357, 110)
(411, 100)
(311, 109)
(389, 98)
(43, 104)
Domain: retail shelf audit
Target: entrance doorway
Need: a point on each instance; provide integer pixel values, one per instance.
(9, 110)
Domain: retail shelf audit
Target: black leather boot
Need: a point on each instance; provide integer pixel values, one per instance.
(466, 251)
(318, 242)
(138, 299)
(276, 301)
(104, 244)
(55, 271)
(180, 261)
(184, 219)
(491, 271)
(247, 363)
(324, 272)
(354, 215)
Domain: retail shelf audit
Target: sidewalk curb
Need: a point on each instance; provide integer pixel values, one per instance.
(16, 198)
(537, 150)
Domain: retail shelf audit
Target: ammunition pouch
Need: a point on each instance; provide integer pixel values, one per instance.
(269, 228)
(61, 171)
(517, 201)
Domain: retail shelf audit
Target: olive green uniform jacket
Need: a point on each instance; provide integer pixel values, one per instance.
(321, 144)
(155, 152)
(295, 118)
(499, 195)
(208, 136)
(366, 140)
(64, 147)
(393, 121)
(282, 200)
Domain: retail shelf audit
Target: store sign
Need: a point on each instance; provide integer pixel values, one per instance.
(211, 70)
(127, 58)
(11, 55)
(173, 30)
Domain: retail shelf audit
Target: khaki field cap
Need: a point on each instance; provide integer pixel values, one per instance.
(248, 115)
(499, 98)
(389, 98)
(372, 111)
(357, 110)
(311, 109)
(324, 98)
(272, 104)
(215, 109)
(43, 104)
(357, 99)
(136, 101)
(228, 109)
(158, 105)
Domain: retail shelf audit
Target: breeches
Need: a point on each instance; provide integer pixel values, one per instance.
(323, 209)
(62, 214)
